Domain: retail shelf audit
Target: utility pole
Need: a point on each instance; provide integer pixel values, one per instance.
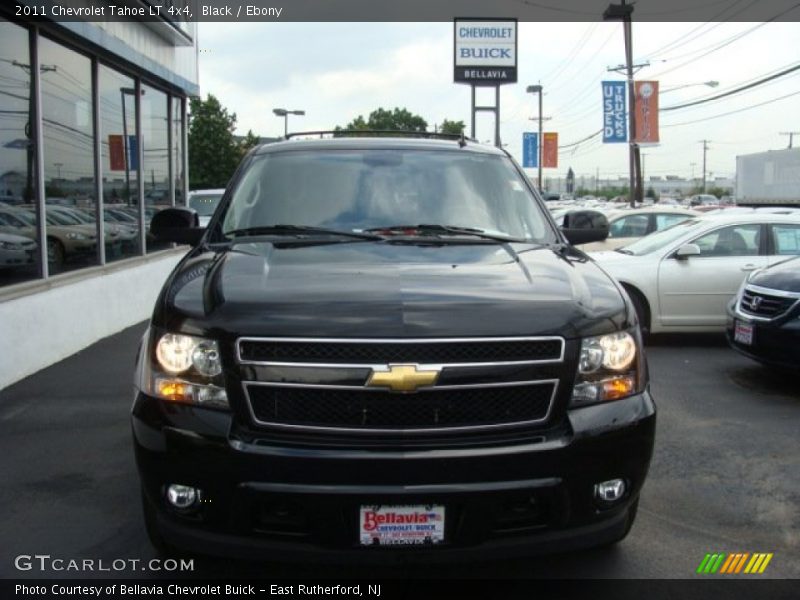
(791, 135)
(642, 170)
(537, 89)
(705, 151)
(624, 12)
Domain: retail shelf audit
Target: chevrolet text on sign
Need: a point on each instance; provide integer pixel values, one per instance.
(485, 51)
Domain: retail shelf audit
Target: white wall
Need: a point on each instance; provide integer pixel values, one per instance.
(46, 326)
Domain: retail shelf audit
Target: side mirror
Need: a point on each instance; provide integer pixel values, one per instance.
(687, 250)
(585, 226)
(179, 224)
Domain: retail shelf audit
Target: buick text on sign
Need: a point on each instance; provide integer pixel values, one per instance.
(485, 51)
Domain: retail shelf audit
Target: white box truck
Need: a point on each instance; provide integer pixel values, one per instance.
(768, 178)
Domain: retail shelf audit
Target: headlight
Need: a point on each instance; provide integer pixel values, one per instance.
(609, 368)
(197, 360)
(10, 246)
(76, 236)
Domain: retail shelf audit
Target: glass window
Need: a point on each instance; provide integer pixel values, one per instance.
(630, 226)
(119, 161)
(661, 239)
(68, 155)
(736, 240)
(356, 190)
(155, 148)
(19, 253)
(177, 151)
(668, 220)
(786, 239)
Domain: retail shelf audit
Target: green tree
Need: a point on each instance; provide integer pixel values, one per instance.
(381, 119)
(249, 141)
(454, 127)
(213, 150)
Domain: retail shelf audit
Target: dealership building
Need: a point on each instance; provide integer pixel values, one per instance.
(92, 143)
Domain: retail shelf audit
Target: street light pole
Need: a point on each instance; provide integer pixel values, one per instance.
(623, 12)
(537, 89)
(282, 112)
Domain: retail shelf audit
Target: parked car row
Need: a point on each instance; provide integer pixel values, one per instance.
(682, 278)
(764, 317)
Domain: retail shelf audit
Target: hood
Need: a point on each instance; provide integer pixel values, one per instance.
(784, 276)
(377, 289)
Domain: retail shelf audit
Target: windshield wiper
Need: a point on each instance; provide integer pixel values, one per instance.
(447, 229)
(299, 230)
(623, 251)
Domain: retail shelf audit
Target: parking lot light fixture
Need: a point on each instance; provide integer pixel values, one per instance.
(283, 112)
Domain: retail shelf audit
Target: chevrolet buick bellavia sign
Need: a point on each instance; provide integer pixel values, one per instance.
(485, 51)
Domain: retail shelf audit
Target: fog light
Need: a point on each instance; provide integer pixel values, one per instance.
(182, 496)
(610, 491)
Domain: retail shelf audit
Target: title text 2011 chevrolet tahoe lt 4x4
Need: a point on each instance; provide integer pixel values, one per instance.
(382, 348)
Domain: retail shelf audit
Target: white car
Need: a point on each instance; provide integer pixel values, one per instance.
(628, 225)
(681, 279)
(16, 251)
(205, 203)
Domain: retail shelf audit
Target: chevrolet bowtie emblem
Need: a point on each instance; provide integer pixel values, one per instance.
(403, 378)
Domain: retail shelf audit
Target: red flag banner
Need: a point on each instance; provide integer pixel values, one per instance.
(116, 153)
(550, 150)
(646, 113)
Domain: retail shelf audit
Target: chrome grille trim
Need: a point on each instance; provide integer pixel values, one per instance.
(467, 340)
(419, 431)
(744, 313)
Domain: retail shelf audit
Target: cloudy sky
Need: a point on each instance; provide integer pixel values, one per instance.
(337, 71)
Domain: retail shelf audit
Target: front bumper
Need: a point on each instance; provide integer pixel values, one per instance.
(277, 501)
(775, 343)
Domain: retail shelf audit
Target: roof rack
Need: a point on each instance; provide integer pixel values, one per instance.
(459, 137)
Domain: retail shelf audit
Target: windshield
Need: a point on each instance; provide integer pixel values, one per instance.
(204, 204)
(357, 190)
(656, 241)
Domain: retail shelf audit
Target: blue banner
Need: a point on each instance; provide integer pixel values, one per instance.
(133, 153)
(615, 115)
(530, 150)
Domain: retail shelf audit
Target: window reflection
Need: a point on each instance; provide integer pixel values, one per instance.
(119, 159)
(18, 231)
(66, 83)
(155, 149)
(177, 154)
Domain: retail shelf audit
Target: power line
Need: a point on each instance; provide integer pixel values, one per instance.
(733, 112)
(729, 41)
(733, 91)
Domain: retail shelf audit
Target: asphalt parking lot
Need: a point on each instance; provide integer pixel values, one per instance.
(725, 475)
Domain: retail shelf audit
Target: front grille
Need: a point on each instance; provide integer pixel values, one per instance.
(400, 351)
(764, 305)
(371, 411)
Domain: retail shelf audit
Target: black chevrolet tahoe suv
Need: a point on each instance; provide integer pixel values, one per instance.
(382, 348)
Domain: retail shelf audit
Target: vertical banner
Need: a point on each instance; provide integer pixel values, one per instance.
(550, 150)
(116, 153)
(646, 112)
(133, 153)
(530, 150)
(615, 115)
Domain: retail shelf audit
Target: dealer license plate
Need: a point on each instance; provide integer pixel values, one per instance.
(401, 525)
(743, 333)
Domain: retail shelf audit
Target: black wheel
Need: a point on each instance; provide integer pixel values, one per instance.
(642, 312)
(55, 254)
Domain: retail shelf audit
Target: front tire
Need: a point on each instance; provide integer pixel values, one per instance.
(641, 308)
